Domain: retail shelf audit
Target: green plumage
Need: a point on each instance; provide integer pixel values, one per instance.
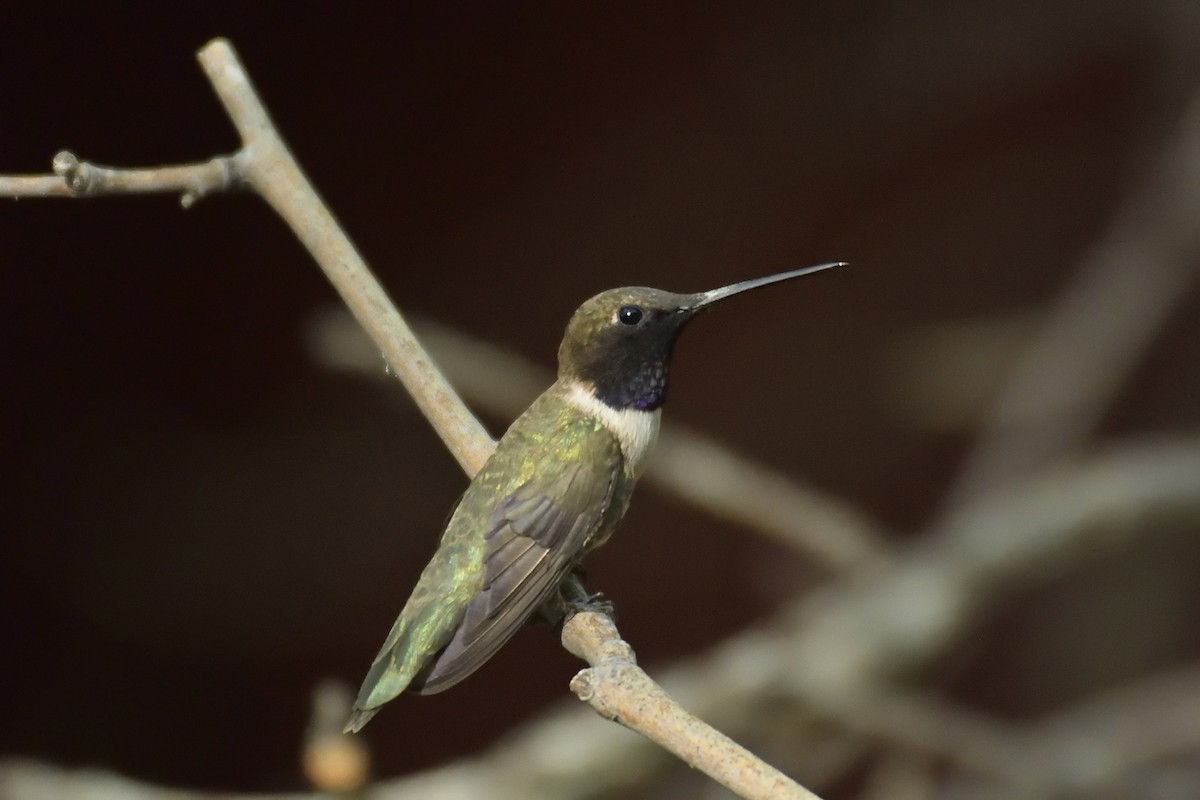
(555, 487)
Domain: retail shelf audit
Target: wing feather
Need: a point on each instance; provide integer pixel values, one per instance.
(533, 538)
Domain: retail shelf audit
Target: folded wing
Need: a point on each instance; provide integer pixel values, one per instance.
(533, 538)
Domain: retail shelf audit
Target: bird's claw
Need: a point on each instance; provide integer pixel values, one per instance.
(589, 602)
(572, 599)
(576, 599)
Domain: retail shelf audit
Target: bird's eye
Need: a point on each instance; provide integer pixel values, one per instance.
(629, 315)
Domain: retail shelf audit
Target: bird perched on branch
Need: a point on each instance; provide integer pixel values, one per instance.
(555, 488)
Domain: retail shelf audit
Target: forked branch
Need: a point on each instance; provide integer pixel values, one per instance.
(265, 164)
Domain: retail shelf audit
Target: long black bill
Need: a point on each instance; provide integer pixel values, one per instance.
(703, 299)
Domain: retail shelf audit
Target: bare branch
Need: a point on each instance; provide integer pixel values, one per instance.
(618, 690)
(17, 186)
(267, 165)
(75, 178)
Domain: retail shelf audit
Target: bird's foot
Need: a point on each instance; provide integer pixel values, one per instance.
(592, 603)
(571, 599)
(576, 599)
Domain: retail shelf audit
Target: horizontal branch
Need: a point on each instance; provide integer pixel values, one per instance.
(17, 186)
(75, 178)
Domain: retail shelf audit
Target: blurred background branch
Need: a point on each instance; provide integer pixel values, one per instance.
(1098, 331)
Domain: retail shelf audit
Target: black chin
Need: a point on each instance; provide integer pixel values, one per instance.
(645, 391)
(629, 369)
(633, 377)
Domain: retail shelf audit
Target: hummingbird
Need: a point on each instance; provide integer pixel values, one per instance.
(555, 488)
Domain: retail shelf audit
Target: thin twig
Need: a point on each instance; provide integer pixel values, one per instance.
(75, 178)
(17, 186)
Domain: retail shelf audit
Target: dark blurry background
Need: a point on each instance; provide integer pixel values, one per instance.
(201, 523)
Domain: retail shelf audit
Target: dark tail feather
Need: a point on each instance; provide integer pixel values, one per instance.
(360, 717)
